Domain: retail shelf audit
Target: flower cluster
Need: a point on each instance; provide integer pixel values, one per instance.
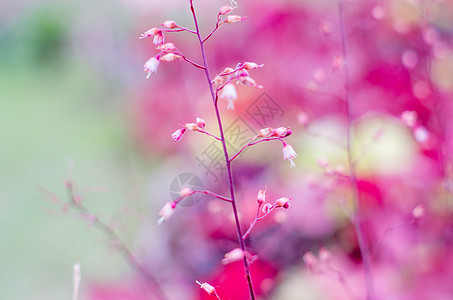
(223, 83)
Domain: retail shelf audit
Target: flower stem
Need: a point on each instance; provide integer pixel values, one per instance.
(227, 161)
(356, 219)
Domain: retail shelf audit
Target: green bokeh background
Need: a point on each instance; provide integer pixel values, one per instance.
(62, 103)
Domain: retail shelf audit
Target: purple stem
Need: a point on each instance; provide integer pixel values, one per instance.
(227, 161)
(356, 219)
(202, 192)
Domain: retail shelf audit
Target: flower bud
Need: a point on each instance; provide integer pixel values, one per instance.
(251, 65)
(151, 32)
(289, 154)
(226, 71)
(232, 256)
(200, 122)
(261, 198)
(264, 132)
(177, 135)
(169, 57)
(150, 66)
(225, 9)
(282, 202)
(168, 47)
(186, 191)
(166, 212)
(233, 19)
(280, 132)
(169, 24)
(191, 126)
(217, 82)
(207, 288)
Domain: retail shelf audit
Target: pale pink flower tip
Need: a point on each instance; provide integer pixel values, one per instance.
(232, 256)
(233, 19)
(207, 288)
(264, 132)
(261, 198)
(167, 47)
(169, 24)
(282, 202)
(151, 66)
(200, 122)
(177, 135)
(169, 57)
(191, 126)
(229, 94)
(225, 9)
(186, 191)
(166, 212)
(251, 65)
(289, 153)
(151, 32)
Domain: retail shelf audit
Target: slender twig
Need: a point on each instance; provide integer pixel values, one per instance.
(210, 134)
(179, 30)
(227, 161)
(111, 233)
(257, 218)
(217, 25)
(352, 178)
(254, 143)
(179, 199)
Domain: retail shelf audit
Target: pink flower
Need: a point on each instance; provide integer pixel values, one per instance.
(200, 122)
(251, 65)
(225, 9)
(151, 66)
(166, 212)
(233, 19)
(169, 24)
(151, 32)
(177, 135)
(261, 198)
(207, 288)
(282, 202)
(230, 94)
(232, 256)
(289, 153)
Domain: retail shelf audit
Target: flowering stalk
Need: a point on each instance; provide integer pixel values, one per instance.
(227, 160)
(356, 220)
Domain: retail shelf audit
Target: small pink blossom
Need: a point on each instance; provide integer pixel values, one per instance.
(167, 47)
(177, 135)
(151, 66)
(169, 57)
(186, 191)
(151, 32)
(261, 198)
(166, 212)
(289, 153)
(207, 288)
(264, 132)
(233, 19)
(282, 202)
(267, 208)
(191, 126)
(225, 9)
(232, 256)
(169, 24)
(251, 65)
(311, 261)
(159, 39)
(229, 94)
(200, 122)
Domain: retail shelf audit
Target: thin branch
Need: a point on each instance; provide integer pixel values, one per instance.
(210, 134)
(111, 233)
(352, 178)
(254, 143)
(179, 30)
(179, 199)
(217, 25)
